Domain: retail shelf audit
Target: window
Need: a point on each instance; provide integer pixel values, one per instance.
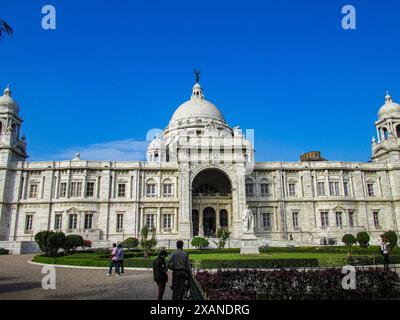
(370, 189)
(58, 221)
(351, 219)
(33, 190)
(266, 220)
(223, 218)
(73, 221)
(321, 188)
(120, 222)
(76, 189)
(63, 189)
(385, 133)
(324, 220)
(398, 131)
(88, 220)
(150, 221)
(295, 218)
(167, 221)
(292, 189)
(121, 190)
(167, 190)
(339, 221)
(334, 188)
(249, 189)
(346, 188)
(151, 190)
(90, 189)
(264, 189)
(28, 222)
(376, 218)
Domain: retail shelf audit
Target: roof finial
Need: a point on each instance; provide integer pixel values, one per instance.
(388, 97)
(197, 74)
(7, 91)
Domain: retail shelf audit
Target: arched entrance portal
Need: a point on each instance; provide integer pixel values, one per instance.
(211, 203)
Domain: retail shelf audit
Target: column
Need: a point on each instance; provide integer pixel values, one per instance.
(176, 219)
(218, 218)
(158, 220)
(201, 226)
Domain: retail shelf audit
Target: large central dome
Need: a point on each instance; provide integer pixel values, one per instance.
(197, 107)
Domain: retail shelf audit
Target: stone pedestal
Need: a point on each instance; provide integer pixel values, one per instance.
(249, 244)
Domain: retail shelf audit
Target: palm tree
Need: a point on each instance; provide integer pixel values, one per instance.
(5, 29)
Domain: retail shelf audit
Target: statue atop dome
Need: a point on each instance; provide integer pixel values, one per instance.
(197, 74)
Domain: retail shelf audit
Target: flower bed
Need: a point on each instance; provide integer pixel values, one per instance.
(293, 284)
(258, 263)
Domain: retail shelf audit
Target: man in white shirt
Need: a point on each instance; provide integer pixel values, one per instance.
(385, 252)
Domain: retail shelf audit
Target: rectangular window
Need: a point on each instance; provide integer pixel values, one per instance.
(334, 188)
(88, 221)
(90, 189)
(346, 189)
(324, 220)
(295, 218)
(33, 190)
(376, 218)
(150, 221)
(264, 189)
(63, 189)
(73, 221)
(249, 190)
(151, 190)
(167, 190)
(370, 190)
(28, 222)
(167, 221)
(121, 190)
(76, 189)
(321, 188)
(292, 190)
(266, 220)
(120, 222)
(339, 220)
(58, 221)
(351, 219)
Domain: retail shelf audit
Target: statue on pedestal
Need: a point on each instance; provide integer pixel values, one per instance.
(248, 220)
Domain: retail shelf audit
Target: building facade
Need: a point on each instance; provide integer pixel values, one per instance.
(200, 175)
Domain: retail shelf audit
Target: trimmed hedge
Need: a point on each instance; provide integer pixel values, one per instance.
(334, 249)
(258, 263)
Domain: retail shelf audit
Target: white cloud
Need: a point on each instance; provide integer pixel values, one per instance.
(119, 150)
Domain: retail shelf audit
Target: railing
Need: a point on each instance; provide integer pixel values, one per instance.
(212, 194)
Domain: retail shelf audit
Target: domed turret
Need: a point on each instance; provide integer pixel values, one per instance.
(7, 102)
(390, 108)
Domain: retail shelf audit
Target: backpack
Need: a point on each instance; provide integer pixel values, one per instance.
(121, 254)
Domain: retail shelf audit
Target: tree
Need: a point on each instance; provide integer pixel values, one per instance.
(349, 240)
(392, 238)
(223, 236)
(5, 28)
(130, 243)
(363, 239)
(199, 242)
(50, 242)
(147, 244)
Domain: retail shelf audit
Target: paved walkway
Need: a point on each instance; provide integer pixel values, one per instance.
(21, 280)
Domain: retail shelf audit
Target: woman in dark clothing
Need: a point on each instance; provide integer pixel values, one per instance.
(160, 273)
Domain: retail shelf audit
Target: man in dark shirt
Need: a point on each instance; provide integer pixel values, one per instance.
(160, 273)
(179, 264)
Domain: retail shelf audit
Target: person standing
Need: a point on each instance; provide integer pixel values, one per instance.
(121, 258)
(179, 264)
(160, 273)
(114, 261)
(385, 252)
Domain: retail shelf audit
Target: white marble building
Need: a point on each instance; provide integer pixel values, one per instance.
(200, 175)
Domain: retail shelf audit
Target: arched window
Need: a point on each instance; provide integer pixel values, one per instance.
(398, 131)
(1, 127)
(385, 133)
(250, 190)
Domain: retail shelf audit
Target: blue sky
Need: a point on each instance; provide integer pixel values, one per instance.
(109, 73)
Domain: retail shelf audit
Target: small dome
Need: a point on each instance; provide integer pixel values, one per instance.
(156, 144)
(6, 101)
(390, 108)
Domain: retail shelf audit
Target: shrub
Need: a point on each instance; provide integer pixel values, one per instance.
(87, 244)
(349, 240)
(72, 242)
(258, 263)
(391, 237)
(130, 243)
(147, 244)
(363, 239)
(50, 242)
(223, 235)
(3, 251)
(199, 242)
